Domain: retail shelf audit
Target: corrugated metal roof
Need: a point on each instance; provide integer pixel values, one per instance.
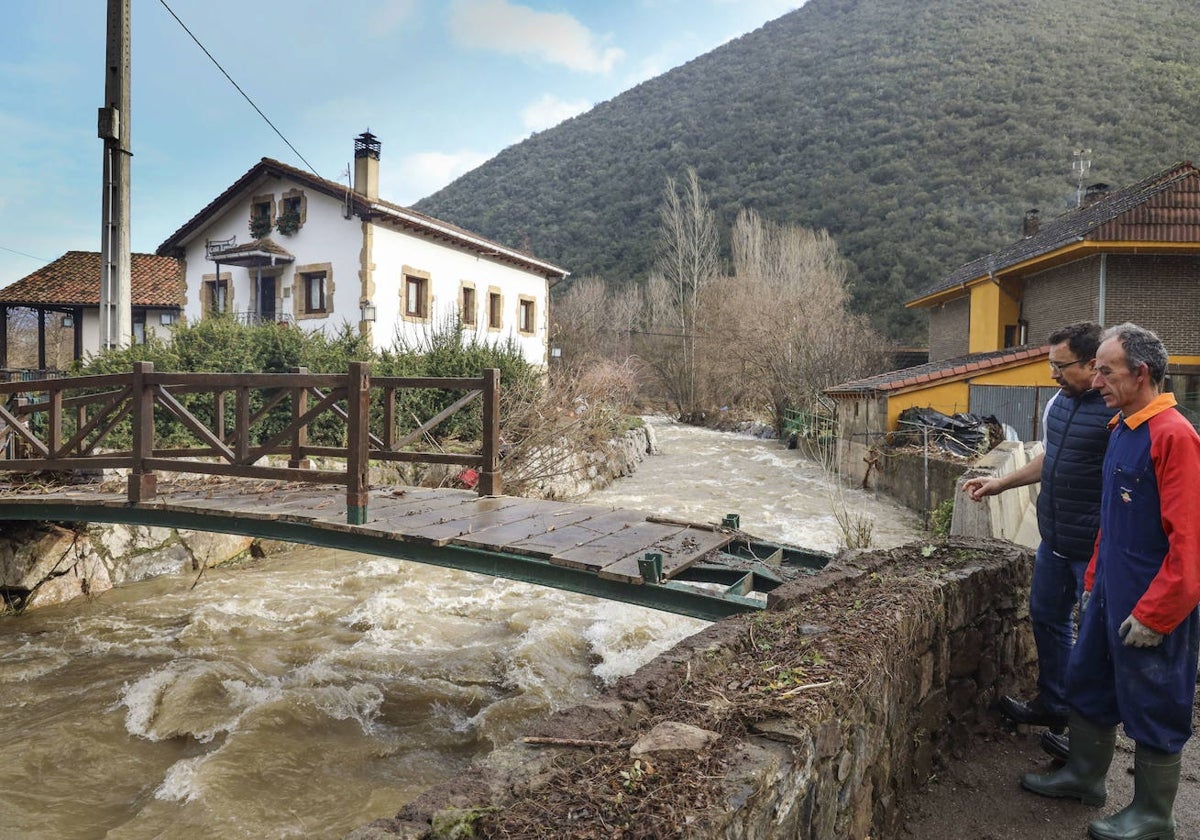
(74, 280)
(1162, 208)
(934, 372)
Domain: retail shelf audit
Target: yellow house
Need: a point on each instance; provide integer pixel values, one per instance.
(1127, 255)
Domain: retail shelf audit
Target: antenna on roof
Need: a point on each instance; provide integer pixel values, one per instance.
(348, 208)
(1082, 163)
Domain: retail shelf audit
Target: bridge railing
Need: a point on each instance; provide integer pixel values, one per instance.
(148, 422)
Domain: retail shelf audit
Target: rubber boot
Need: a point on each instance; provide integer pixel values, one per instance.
(1151, 814)
(1083, 776)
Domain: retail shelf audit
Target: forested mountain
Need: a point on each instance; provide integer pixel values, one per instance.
(916, 131)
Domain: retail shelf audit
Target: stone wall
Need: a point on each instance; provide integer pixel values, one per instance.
(836, 765)
(902, 475)
(44, 563)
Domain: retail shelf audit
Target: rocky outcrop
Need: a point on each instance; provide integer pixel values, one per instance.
(44, 563)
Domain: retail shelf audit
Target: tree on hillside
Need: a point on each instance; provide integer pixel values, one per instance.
(781, 326)
(687, 262)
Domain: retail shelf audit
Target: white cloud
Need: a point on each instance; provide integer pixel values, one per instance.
(423, 173)
(554, 37)
(549, 111)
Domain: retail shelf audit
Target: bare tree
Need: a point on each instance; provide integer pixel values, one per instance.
(687, 262)
(785, 327)
(594, 322)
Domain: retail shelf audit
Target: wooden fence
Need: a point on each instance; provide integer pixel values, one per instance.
(78, 423)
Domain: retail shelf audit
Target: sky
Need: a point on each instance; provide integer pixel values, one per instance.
(443, 84)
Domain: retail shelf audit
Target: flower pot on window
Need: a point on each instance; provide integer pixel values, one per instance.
(288, 223)
(260, 226)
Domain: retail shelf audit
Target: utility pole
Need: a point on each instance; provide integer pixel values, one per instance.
(116, 316)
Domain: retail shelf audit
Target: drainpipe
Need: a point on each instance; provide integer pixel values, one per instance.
(1103, 288)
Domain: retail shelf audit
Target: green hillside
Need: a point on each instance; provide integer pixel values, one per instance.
(916, 131)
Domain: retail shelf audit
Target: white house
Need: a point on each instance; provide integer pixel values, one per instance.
(283, 245)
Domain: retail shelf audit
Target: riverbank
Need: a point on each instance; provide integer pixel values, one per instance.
(814, 719)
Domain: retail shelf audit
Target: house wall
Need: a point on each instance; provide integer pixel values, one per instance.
(993, 308)
(330, 242)
(1060, 296)
(90, 324)
(1161, 293)
(448, 269)
(949, 329)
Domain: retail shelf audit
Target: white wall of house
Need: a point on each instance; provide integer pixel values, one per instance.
(330, 242)
(448, 270)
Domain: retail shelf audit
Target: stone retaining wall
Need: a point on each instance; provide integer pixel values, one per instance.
(805, 775)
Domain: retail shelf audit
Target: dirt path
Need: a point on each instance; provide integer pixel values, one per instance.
(976, 796)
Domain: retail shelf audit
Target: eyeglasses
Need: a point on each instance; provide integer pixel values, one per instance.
(1059, 367)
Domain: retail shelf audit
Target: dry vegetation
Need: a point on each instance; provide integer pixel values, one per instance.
(767, 334)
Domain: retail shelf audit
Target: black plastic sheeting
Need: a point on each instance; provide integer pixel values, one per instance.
(958, 434)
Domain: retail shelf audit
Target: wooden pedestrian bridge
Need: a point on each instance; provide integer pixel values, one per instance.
(259, 437)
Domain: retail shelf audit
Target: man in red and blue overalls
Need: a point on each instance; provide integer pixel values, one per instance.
(1135, 660)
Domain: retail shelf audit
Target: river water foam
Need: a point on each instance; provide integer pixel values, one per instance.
(310, 692)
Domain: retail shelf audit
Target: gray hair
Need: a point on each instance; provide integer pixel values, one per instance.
(1142, 347)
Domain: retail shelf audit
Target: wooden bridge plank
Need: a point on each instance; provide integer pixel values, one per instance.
(561, 539)
(679, 551)
(505, 537)
(405, 522)
(485, 517)
(609, 548)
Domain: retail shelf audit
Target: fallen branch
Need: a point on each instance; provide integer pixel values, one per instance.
(572, 742)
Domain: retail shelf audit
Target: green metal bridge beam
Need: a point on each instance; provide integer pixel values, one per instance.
(668, 596)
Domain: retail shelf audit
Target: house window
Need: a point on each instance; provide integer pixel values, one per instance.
(216, 295)
(495, 308)
(416, 297)
(291, 213)
(261, 212)
(139, 326)
(311, 292)
(526, 322)
(467, 306)
(314, 292)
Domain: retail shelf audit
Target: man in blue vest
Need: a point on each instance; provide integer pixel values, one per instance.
(1068, 510)
(1139, 637)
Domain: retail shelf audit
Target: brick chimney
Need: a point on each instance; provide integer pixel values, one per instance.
(1032, 222)
(1094, 193)
(366, 165)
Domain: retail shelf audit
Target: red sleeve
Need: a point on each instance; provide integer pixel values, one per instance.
(1175, 590)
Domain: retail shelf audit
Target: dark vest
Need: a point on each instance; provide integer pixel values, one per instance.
(1068, 504)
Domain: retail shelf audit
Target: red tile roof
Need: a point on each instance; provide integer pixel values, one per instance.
(946, 369)
(74, 280)
(1162, 208)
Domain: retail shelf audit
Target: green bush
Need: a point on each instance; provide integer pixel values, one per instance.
(222, 345)
(940, 518)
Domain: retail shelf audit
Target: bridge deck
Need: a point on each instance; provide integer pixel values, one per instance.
(585, 548)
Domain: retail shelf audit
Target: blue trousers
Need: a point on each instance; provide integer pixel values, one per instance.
(1150, 690)
(1053, 593)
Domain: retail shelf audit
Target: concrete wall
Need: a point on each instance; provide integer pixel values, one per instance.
(838, 762)
(1012, 515)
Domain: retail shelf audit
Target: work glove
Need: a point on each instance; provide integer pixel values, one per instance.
(1137, 634)
(1083, 600)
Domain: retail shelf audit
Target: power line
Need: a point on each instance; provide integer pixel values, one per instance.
(23, 254)
(239, 88)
